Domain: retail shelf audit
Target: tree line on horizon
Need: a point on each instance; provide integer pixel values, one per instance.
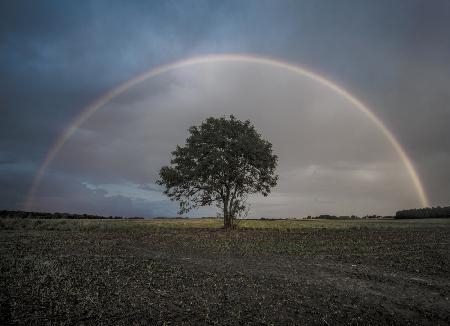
(426, 212)
(45, 215)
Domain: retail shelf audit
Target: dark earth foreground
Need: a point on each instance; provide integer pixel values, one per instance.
(94, 273)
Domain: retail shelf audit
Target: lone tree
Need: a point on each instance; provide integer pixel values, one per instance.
(222, 162)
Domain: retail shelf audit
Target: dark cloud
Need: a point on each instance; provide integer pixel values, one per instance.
(57, 57)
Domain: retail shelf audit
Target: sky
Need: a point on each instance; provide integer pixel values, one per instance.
(57, 57)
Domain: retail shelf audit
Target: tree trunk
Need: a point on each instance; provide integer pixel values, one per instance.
(227, 223)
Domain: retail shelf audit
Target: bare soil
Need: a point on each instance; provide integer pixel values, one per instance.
(173, 276)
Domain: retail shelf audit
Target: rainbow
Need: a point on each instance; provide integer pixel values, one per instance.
(94, 106)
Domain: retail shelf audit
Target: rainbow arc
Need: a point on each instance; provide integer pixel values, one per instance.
(103, 100)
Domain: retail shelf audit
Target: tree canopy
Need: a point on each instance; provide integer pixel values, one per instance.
(223, 161)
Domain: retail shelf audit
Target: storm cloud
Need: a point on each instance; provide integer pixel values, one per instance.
(56, 58)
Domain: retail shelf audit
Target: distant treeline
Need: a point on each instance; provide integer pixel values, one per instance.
(325, 217)
(41, 215)
(428, 212)
(345, 217)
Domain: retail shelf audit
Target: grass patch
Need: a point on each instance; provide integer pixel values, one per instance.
(282, 225)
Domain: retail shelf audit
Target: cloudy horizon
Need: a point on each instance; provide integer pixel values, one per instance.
(57, 58)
